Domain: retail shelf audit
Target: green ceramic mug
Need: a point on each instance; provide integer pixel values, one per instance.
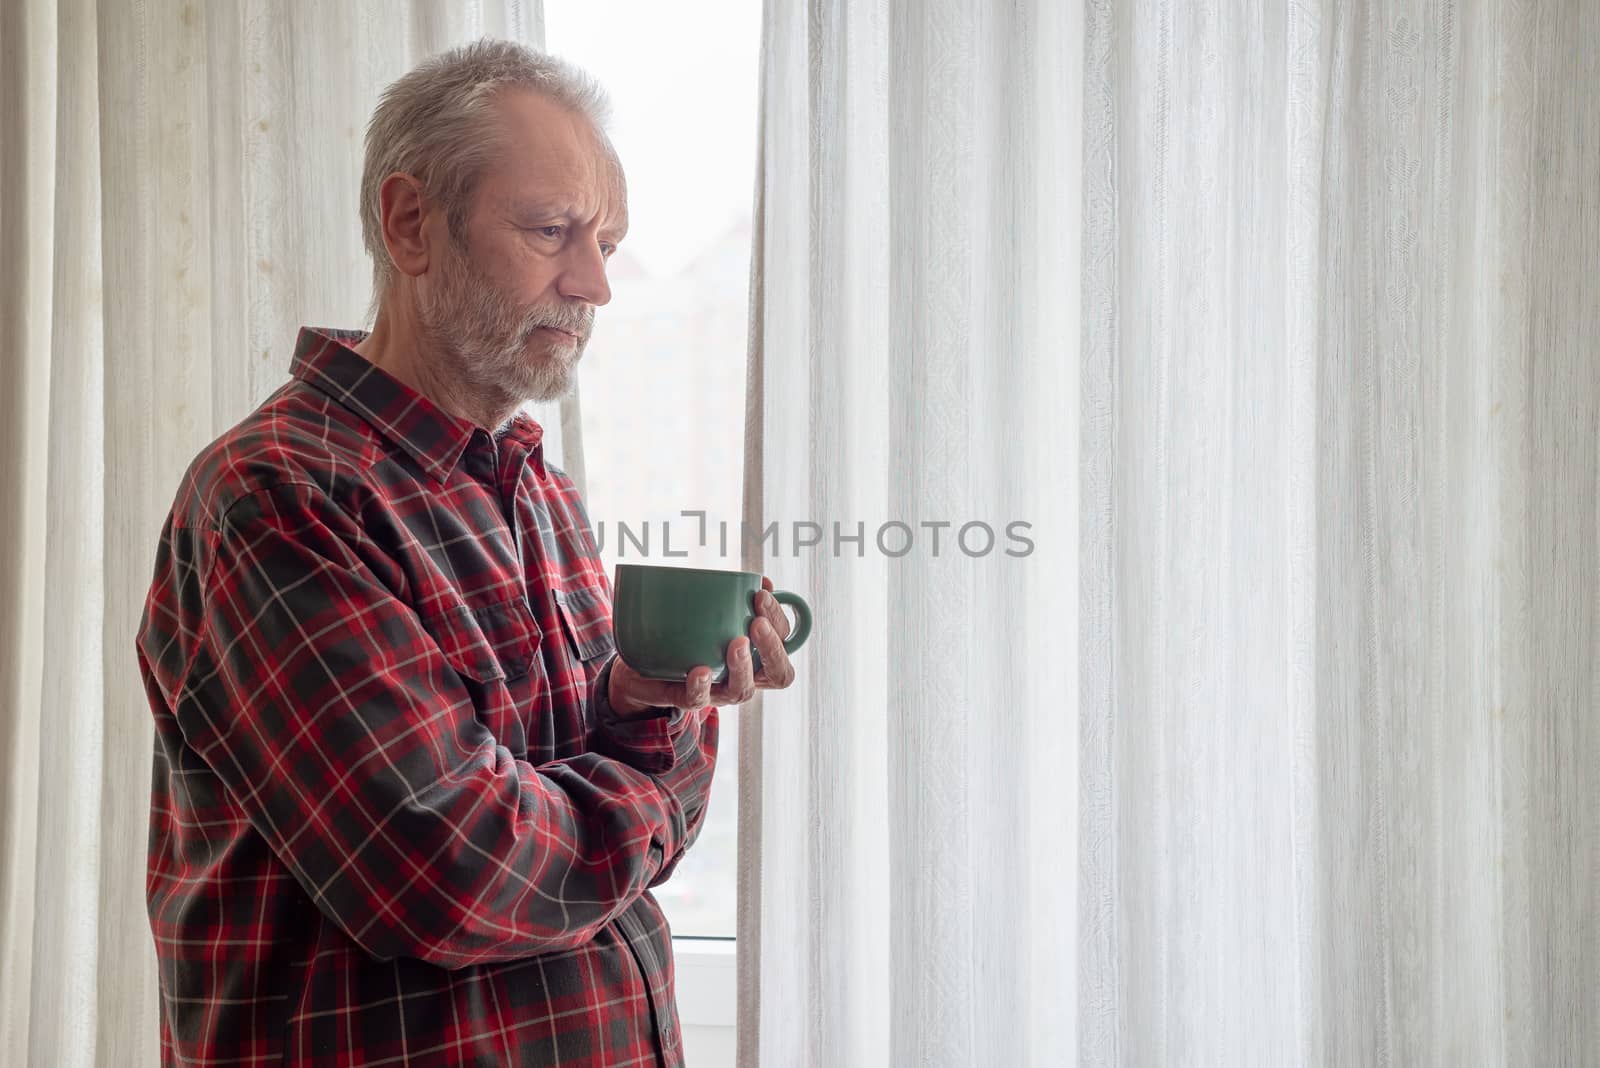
(669, 620)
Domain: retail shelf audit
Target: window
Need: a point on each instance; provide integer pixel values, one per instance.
(663, 377)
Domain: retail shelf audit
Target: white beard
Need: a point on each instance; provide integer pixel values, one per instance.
(494, 350)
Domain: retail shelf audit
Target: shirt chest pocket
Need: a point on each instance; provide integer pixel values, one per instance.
(494, 649)
(586, 617)
(586, 614)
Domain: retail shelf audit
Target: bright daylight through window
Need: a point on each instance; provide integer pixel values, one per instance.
(662, 381)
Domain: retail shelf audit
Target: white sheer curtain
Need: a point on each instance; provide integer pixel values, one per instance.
(1322, 461)
(178, 186)
(907, 809)
(1340, 595)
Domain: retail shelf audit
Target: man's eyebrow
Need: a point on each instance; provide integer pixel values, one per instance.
(615, 231)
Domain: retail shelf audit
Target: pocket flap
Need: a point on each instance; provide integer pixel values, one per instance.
(587, 613)
(498, 641)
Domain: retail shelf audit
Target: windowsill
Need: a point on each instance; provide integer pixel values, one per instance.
(706, 981)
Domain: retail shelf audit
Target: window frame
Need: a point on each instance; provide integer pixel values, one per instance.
(707, 981)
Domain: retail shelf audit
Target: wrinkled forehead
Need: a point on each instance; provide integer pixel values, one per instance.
(554, 157)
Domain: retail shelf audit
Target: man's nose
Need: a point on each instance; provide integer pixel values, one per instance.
(584, 276)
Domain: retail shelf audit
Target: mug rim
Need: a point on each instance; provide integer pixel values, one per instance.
(695, 570)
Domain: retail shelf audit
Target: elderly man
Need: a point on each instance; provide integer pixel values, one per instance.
(408, 804)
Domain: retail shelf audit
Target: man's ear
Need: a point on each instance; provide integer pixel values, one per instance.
(405, 212)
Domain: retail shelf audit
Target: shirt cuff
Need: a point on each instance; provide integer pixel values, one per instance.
(644, 740)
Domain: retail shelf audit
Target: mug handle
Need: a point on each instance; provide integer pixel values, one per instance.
(802, 618)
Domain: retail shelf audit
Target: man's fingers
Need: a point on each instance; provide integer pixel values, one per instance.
(740, 685)
(776, 671)
(693, 693)
(768, 607)
(697, 688)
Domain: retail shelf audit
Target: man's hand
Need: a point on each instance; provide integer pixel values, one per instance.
(632, 693)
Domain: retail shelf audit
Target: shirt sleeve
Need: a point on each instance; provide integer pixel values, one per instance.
(659, 740)
(340, 730)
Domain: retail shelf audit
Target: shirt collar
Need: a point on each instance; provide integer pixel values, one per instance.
(325, 358)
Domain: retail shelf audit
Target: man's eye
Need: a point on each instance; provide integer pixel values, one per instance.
(550, 231)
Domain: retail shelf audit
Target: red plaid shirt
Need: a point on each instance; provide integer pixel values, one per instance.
(393, 819)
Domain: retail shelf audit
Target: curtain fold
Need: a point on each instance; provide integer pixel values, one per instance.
(1322, 625)
(180, 194)
(1340, 721)
(905, 807)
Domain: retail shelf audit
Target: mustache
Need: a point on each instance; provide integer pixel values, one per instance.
(579, 322)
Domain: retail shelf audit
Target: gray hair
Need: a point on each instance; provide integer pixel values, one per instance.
(436, 123)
